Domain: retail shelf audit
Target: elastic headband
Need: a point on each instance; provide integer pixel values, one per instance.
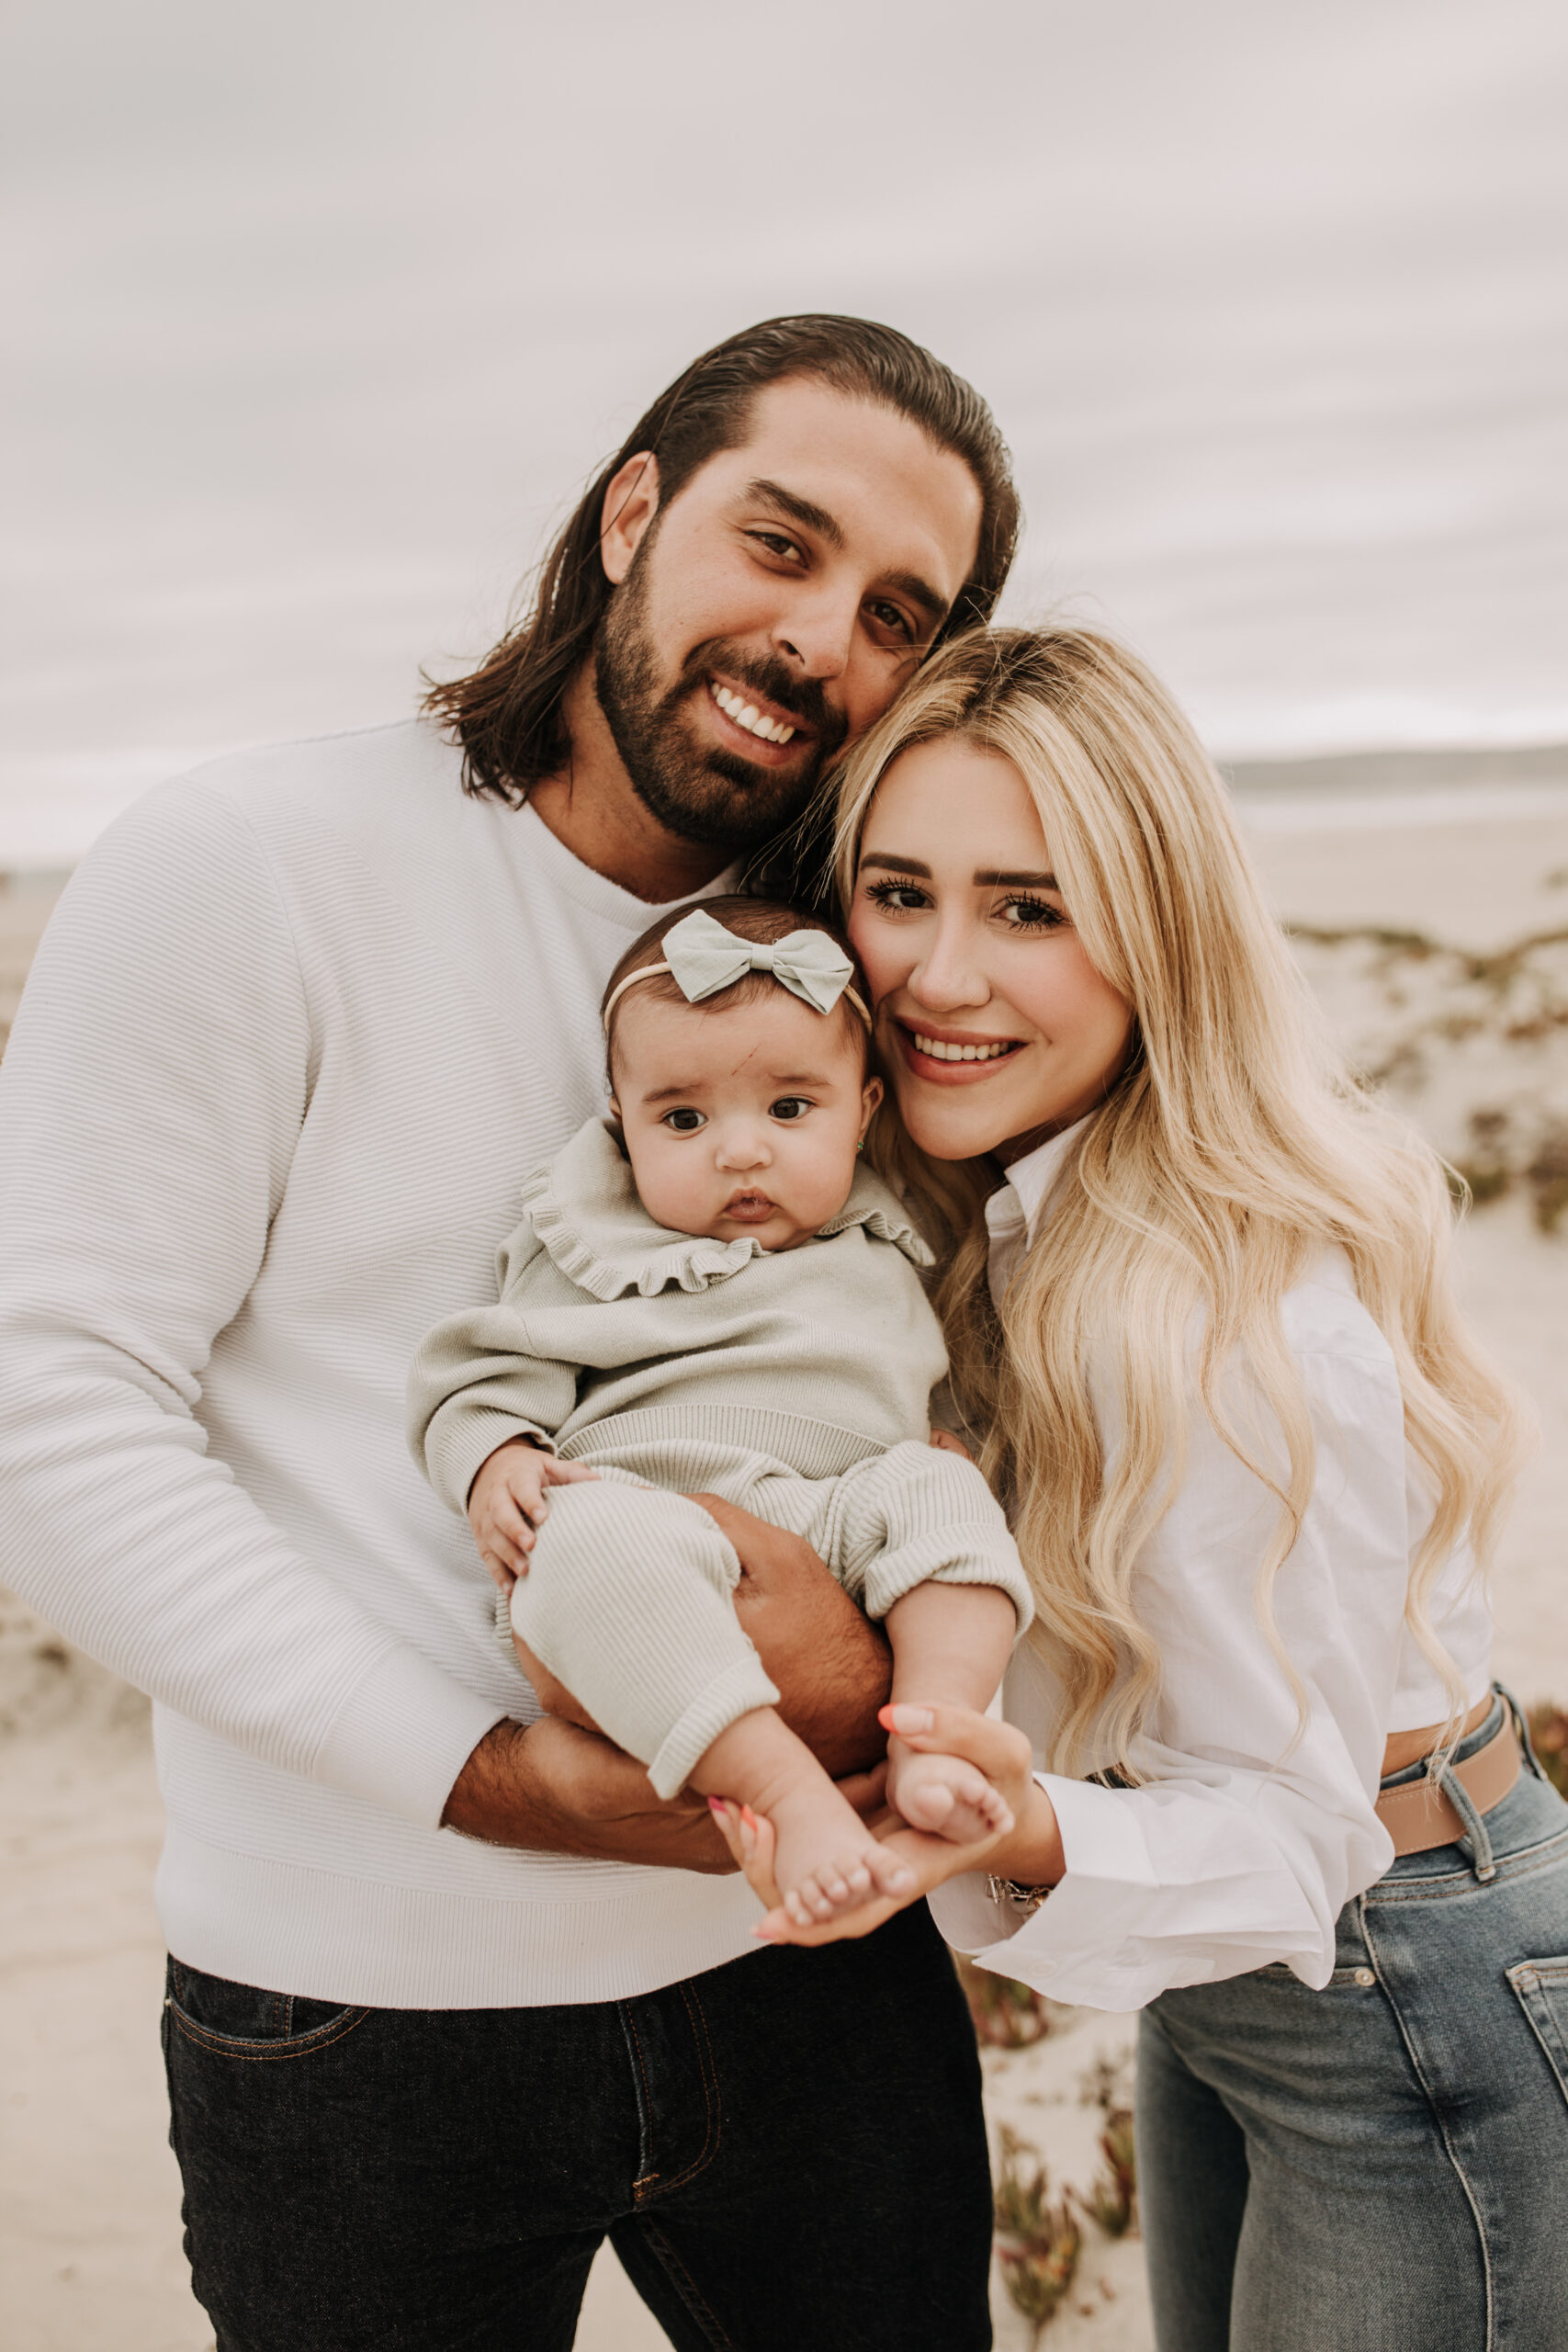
(703, 957)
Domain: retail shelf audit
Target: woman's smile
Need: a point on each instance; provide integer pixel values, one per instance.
(950, 1056)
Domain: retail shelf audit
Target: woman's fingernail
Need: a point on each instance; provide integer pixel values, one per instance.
(906, 1719)
(749, 1817)
(716, 1804)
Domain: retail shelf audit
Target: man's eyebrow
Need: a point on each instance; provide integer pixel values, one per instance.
(812, 517)
(799, 510)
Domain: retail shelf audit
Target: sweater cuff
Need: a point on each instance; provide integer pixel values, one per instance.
(403, 1736)
(458, 1446)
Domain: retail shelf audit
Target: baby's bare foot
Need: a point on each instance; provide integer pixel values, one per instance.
(945, 1796)
(826, 1861)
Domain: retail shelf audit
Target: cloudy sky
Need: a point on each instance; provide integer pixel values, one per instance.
(318, 315)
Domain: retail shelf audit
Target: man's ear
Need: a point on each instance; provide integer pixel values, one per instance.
(871, 1095)
(631, 501)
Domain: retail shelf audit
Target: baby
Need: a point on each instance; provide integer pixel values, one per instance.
(720, 1298)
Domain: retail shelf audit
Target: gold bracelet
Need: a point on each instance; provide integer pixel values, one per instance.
(1027, 1899)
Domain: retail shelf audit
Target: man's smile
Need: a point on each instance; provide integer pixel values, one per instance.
(756, 722)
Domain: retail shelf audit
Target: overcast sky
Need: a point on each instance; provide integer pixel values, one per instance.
(318, 315)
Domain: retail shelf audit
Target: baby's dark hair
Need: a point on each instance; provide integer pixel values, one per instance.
(761, 919)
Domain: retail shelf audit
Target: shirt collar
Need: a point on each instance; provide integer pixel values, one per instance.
(1017, 1211)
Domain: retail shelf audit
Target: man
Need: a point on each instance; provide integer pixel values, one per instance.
(301, 1026)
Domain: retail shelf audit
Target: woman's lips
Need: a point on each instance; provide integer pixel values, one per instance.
(940, 1072)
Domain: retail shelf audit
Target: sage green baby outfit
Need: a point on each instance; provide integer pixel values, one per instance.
(793, 1383)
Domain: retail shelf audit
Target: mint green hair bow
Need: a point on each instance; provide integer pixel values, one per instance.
(704, 957)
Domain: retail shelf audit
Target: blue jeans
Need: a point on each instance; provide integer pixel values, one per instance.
(1382, 2166)
(786, 2151)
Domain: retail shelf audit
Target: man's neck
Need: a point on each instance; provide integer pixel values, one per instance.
(591, 806)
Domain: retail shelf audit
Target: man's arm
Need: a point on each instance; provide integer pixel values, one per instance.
(563, 1788)
(150, 1105)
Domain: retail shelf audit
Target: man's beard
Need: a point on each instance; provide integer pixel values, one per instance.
(697, 791)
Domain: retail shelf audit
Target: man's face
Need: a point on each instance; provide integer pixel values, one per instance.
(772, 610)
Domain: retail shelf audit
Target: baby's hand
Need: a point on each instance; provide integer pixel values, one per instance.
(945, 1796)
(506, 1504)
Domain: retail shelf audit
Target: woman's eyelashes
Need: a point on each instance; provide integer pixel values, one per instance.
(1031, 914)
(1020, 910)
(896, 898)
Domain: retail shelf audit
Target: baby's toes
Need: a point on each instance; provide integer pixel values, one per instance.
(857, 1876)
(889, 1875)
(814, 1893)
(994, 1808)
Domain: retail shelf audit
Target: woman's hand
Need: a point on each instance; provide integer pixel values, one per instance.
(998, 1751)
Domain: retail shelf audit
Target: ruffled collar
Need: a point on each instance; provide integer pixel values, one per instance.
(585, 1211)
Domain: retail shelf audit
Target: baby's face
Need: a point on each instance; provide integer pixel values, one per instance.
(741, 1119)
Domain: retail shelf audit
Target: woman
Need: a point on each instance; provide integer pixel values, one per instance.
(1202, 1338)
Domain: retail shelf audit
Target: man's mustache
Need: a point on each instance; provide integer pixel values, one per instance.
(804, 698)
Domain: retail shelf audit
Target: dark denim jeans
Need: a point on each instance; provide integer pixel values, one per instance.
(787, 2151)
(1382, 2166)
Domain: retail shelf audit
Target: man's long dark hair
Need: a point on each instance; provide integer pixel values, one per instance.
(507, 712)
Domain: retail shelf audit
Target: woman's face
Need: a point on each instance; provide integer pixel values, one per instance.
(995, 1028)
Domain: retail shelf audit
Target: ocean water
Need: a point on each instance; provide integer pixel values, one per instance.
(316, 319)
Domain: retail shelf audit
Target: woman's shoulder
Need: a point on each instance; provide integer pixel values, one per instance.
(1322, 1313)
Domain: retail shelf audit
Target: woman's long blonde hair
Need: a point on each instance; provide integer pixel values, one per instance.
(1233, 1146)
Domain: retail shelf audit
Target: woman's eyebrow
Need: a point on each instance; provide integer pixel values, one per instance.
(989, 878)
(896, 865)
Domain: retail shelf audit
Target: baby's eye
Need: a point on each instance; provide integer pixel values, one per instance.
(686, 1121)
(789, 1106)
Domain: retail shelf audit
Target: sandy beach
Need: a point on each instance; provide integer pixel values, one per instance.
(1436, 933)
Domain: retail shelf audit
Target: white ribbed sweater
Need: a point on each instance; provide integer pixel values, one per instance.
(298, 1024)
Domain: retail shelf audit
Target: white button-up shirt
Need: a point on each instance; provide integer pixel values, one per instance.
(1247, 1841)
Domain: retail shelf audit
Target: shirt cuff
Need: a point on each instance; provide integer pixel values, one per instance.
(403, 1736)
(458, 1446)
(1102, 1835)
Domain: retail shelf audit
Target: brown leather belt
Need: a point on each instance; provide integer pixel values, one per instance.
(1418, 1816)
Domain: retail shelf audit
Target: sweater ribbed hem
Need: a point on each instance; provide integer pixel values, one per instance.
(811, 1449)
(739, 1692)
(290, 1929)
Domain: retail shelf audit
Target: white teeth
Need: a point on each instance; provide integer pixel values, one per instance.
(747, 715)
(939, 1052)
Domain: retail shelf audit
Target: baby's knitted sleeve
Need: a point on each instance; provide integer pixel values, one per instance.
(475, 1382)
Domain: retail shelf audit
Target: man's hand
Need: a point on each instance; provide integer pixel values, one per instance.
(833, 1667)
(554, 1789)
(507, 1506)
(560, 1788)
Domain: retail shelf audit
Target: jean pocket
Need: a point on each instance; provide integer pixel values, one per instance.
(247, 2021)
(1543, 1989)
